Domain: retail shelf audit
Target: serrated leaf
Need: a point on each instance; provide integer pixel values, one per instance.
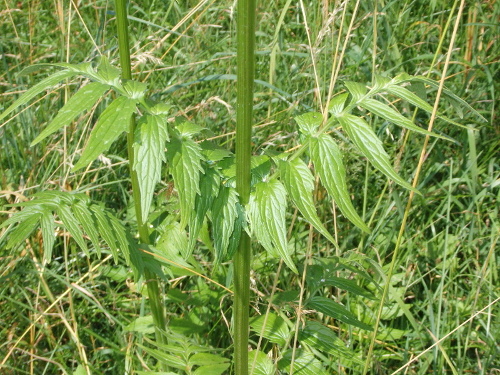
(23, 230)
(72, 225)
(188, 129)
(337, 104)
(304, 363)
(142, 324)
(149, 145)
(172, 242)
(134, 89)
(104, 228)
(368, 143)
(123, 240)
(261, 363)
(271, 203)
(357, 90)
(86, 219)
(327, 160)
(337, 311)
(299, 184)
(310, 122)
(389, 114)
(168, 359)
(185, 159)
(239, 225)
(107, 73)
(450, 93)
(272, 327)
(348, 285)
(224, 214)
(322, 338)
(37, 89)
(48, 234)
(211, 369)
(209, 189)
(82, 101)
(34, 209)
(204, 359)
(113, 121)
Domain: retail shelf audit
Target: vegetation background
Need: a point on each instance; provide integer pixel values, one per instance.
(85, 310)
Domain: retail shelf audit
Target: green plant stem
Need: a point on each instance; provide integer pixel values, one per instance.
(245, 78)
(155, 300)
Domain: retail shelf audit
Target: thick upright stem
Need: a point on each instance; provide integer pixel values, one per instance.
(155, 300)
(242, 258)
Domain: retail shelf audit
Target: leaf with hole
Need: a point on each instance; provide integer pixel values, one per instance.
(113, 121)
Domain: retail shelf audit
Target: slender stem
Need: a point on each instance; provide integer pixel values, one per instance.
(245, 77)
(155, 300)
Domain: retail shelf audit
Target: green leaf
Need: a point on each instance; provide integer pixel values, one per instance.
(337, 104)
(24, 229)
(85, 217)
(107, 73)
(104, 228)
(337, 311)
(209, 188)
(263, 364)
(386, 112)
(170, 360)
(149, 145)
(275, 330)
(271, 203)
(185, 159)
(357, 90)
(82, 101)
(449, 93)
(310, 122)
(299, 183)
(122, 239)
(205, 359)
(322, 338)
(211, 369)
(368, 143)
(348, 285)
(327, 160)
(113, 121)
(72, 225)
(224, 215)
(48, 234)
(304, 363)
(134, 89)
(37, 89)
